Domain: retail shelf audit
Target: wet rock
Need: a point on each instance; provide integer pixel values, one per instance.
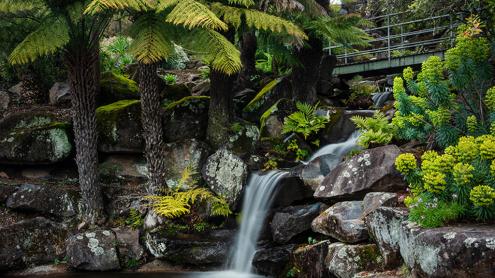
(342, 221)
(117, 167)
(45, 199)
(384, 226)
(93, 251)
(186, 118)
(345, 261)
(33, 138)
(31, 242)
(225, 173)
(292, 221)
(115, 87)
(372, 170)
(128, 243)
(119, 127)
(341, 126)
(455, 251)
(189, 154)
(272, 261)
(59, 93)
(43, 270)
(310, 260)
(159, 266)
(374, 200)
(16, 89)
(290, 190)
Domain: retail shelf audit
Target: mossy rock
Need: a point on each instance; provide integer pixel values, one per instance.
(34, 138)
(186, 118)
(175, 92)
(115, 87)
(244, 138)
(119, 127)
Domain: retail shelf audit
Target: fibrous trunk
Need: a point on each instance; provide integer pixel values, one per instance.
(248, 59)
(221, 108)
(305, 76)
(84, 76)
(152, 126)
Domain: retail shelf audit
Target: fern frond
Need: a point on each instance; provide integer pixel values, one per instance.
(98, 6)
(342, 30)
(150, 44)
(51, 35)
(19, 6)
(168, 206)
(245, 3)
(165, 4)
(191, 14)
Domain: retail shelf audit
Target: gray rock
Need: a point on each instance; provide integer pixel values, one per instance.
(455, 251)
(345, 261)
(310, 260)
(374, 200)
(128, 243)
(186, 118)
(4, 101)
(225, 173)
(292, 221)
(33, 138)
(243, 139)
(31, 242)
(16, 89)
(94, 250)
(372, 170)
(384, 226)
(190, 154)
(45, 199)
(290, 190)
(117, 167)
(272, 261)
(60, 93)
(342, 221)
(384, 274)
(341, 126)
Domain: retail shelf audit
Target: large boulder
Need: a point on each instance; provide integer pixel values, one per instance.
(31, 242)
(49, 200)
(188, 155)
(374, 200)
(342, 221)
(272, 261)
(244, 138)
(345, 261)
(60, 93)
(455, 251)
(290, 190)
(310, 260)
(371, 170)
(128, 244)
(33, 138)
(292, 221)
(116, 87)
(94, 250)
(225, 173)
(119, 127)
(186, 118)
(123, 167)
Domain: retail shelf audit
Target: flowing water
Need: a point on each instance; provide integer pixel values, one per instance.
(335, 152)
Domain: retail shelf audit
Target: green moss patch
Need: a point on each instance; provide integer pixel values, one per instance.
(185, 102)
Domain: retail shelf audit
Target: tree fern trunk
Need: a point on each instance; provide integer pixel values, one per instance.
(327, 66)
(84, 76)
(248, 59)
(152, 126)
(306, 75)
(221, 108)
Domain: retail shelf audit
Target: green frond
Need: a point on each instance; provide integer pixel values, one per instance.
(344, 30)
(151, 43)
(245, 3)
(191, 14)
(51, 35)
(254, 103)
(168, 206)
(165, 4)
(98, 6)
(19, 6)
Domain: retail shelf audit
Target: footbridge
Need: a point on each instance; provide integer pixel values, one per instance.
(396, 43)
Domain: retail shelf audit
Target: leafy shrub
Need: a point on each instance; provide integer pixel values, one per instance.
(305, 121)
(375, 130)
(170, 79)
(360, 89)
(459, 182)
(115, 56)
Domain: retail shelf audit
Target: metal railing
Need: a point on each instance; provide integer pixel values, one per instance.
(394, 38)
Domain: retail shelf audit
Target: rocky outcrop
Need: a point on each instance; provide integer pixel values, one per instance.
(310, 260)
(272, 261)
(384, 226)
(345, 261)
(292, 221)
(188, 154)
(186, 118)
(372, 170)
(31, 242)
(49, 200)
(244, 138)
(455, 251)
(225, 173)
(33, 138)
(342, 221)
(374, 200)
(119, 127)
(93, 251)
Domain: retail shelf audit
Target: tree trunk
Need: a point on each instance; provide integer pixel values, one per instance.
(327, 66)
(221, 108)
(84, 76)
(152, 126)
(306, 75)
(248, 59)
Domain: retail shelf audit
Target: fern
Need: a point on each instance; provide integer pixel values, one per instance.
(98, 6)
(21, 6)
(305, 121)
(256, 102)
(376, 130)
(191, 14)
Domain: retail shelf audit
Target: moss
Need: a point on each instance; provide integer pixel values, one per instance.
(185, 102)
(118, 84)
(107, 117)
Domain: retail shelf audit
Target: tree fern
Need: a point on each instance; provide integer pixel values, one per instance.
(191, 14)
(98, 6)
(20, 6)
(245, 3)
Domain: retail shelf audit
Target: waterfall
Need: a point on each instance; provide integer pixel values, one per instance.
(337, 150)
(379, 99)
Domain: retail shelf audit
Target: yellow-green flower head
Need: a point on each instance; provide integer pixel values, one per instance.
(482, 196)
(487, 148)
(490, 99)
(429, 155)
(463, 173)
(405, 163)
(472, 123)
(452, 150)
(492, 168)
(408, 74)
(445, 162)
(432, 69)
(492, 128)
(439, 117)
(467, 149)
(434, 182)
(398, 87)
(419, 101)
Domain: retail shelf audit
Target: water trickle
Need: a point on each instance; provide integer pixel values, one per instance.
(337, 150)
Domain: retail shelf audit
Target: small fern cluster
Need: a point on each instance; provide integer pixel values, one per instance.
(305, 121)
(374, 130)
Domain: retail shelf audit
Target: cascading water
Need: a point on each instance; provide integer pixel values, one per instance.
(338, 150)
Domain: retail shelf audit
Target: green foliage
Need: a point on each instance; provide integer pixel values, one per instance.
(432, 213)
(301, 154)
(257, 101)
(305, 121)
(135, 220)
(360, 88)
(115, 56)
(374, 131)
(264, 62)
(270, 164)
(185, 101)
(170, 78)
